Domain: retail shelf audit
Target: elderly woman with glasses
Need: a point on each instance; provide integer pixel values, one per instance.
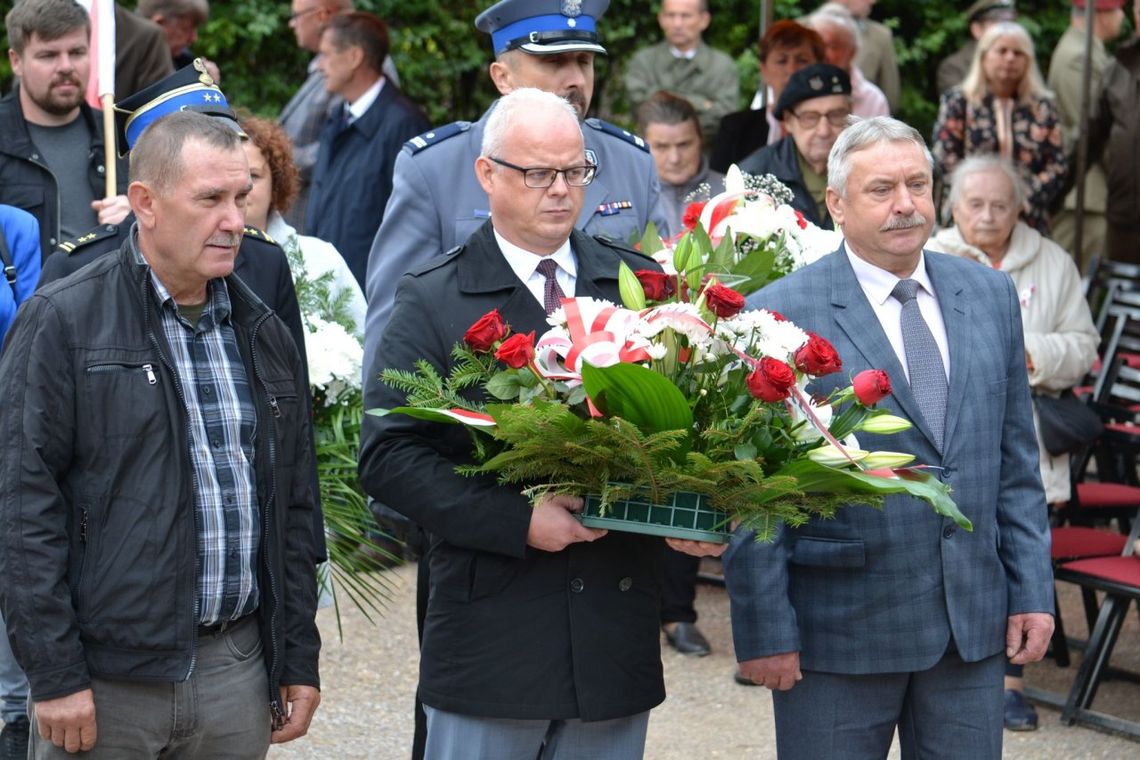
(1003, 108)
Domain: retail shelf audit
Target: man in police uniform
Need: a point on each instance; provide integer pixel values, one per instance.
(260, 263)
(436, 201)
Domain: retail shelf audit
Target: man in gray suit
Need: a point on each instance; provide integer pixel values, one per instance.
(436, 202)
(894, 617)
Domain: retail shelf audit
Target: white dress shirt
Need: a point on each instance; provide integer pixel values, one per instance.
(360, 106)
(877, 285)
(525, 266)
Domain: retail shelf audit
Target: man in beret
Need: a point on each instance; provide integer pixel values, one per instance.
(813, 108)
(979, 16)
(1066, 80)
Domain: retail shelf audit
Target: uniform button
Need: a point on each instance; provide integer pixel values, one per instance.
(206, 389)
(577, 585)
(100, 169)
(216, 443)
(948, 531)
(625, 584)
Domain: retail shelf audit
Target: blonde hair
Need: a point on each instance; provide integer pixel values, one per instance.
(1032, 85)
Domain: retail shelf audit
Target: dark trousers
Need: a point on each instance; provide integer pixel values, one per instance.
(1123, 243)
(679, 589)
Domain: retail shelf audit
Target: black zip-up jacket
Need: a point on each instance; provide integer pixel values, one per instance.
(98, 536)
(26, 181)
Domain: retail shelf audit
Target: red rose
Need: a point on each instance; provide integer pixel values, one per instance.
(692, 214)
(516, 351)
(658, 286)
(871, 386)
(486, 332)
(722, 301)
(772, 380)
(818, 357)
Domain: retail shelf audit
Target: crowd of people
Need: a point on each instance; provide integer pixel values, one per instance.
(158, 495)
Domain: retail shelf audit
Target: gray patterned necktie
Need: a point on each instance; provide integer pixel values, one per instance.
(551, 293)
(923, 360)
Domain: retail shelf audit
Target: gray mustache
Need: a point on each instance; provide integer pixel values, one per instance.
(904, 222)
(229, 241)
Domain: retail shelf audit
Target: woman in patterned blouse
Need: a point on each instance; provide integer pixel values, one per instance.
(1003, 108)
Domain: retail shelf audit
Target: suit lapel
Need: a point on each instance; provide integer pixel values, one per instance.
(854, 315)
(483, 269)
(594, 278)
(955, 314)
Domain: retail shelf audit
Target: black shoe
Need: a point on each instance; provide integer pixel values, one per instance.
(1019, 714)
(742, 679)
(14, 740)
(686, 638)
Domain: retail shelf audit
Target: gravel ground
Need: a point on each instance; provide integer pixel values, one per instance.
(369, 682)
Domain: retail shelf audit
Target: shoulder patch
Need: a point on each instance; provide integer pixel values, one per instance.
(618, 132)
(436, 136)
(253, 232)
(101, 232)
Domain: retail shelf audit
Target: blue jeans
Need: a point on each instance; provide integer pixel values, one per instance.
(13, 683)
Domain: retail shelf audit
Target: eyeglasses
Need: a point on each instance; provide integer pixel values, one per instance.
(541, 178)
(809, 119)
(294, 16)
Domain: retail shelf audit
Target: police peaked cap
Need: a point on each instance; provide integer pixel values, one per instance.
(543, 27)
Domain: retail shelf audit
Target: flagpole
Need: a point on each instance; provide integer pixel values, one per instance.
(111, 181)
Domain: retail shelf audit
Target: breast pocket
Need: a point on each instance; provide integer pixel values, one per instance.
(124, 397)
(817, 551)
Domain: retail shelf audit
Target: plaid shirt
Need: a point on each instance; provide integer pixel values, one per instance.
(220, 406)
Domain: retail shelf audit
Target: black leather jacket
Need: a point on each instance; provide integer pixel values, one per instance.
(98, 540)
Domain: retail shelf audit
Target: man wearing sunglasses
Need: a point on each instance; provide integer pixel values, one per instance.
(813, 109)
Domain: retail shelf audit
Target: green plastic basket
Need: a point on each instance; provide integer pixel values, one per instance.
(687, 516)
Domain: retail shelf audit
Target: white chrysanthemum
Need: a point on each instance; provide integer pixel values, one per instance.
(335, 358)
(767, 335)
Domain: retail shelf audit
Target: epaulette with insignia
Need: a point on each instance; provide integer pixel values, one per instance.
(253, 232)
(616, 131)
(435, 262)
(99, 233)
(436, 136)
(619, 245)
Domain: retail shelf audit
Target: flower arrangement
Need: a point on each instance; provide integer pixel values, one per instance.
(335, 356)
(753, 235)
(680, 390)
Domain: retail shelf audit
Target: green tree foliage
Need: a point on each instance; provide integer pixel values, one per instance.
(443, 61)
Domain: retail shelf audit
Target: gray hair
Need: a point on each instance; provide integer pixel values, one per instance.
(974, 86)
(982, 165)
(156, 159)
(838, 17)
(198, 10)
(522, 104)
(47, 19)
(861, 134)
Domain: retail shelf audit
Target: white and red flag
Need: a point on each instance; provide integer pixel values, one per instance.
(102, 79)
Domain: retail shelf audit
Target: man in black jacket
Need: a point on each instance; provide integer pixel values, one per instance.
(52, 161)
(538, 629)
(158, 555)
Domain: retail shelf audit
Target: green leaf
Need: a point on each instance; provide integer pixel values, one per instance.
(504, 385)
(638, 395)
(632, 294)
(745, 451)
(650, 240)
(756, 266)
(817, 478)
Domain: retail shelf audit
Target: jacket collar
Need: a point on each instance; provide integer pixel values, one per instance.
(15, 126)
